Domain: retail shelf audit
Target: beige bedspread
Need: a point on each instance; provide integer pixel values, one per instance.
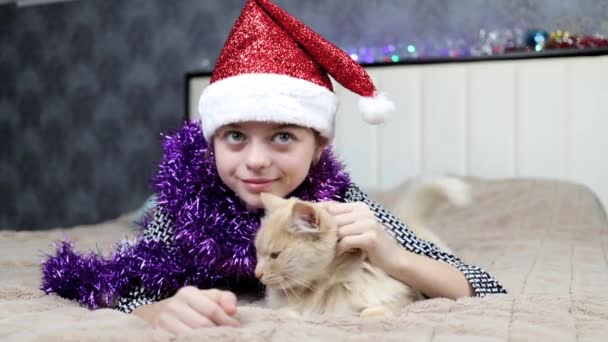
(546, 241)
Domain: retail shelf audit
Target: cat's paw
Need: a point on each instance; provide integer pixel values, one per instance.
(374, 311)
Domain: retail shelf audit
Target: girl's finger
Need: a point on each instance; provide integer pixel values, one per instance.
(228, 302)
(193, 319)
(208, 306)
(173, 325)
(336, 208)
(226, 299)
(361, 241)
(326, 204)
(351, 230)
(358, 227)
(354, 216)
(344, 219)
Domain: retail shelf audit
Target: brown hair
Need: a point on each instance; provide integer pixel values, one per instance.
(209, 155)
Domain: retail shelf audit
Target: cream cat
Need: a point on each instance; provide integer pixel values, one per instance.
(297, 262)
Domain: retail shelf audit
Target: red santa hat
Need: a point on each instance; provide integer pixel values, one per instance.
(274, 68)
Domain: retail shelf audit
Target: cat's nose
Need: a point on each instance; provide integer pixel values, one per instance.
(259, 274)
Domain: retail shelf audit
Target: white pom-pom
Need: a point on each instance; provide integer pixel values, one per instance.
(375, 109)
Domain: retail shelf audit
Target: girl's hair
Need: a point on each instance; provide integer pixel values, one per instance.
(319, 139)
(209, 155)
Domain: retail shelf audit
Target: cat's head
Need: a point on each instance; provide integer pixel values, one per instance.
(295, 244)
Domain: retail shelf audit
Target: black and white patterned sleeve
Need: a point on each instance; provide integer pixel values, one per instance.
(160, 228)
(481, 282)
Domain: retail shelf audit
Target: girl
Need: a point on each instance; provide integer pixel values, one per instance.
(266, 120)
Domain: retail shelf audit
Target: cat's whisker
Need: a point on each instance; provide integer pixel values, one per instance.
(284, 290)
(305, 283)
(294, 293)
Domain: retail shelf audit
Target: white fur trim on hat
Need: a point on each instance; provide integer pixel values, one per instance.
(267, 98)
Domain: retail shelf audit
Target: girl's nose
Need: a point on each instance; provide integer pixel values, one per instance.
(258, 157)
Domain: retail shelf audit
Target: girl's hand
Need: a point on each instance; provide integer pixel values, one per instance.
(358, 228)
(191, 308)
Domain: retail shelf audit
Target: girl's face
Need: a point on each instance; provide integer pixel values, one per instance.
(256, 157)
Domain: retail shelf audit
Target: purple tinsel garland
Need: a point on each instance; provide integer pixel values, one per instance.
(213, 232)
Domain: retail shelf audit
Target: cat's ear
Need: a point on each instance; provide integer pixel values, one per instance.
(270, 201)
(305, 218)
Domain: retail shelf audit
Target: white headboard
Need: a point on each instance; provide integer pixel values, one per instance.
(519, 118)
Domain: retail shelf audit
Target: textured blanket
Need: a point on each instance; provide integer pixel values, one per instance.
(546, 241)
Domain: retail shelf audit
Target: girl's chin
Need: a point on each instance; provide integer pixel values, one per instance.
(252, 201)
(252, 198)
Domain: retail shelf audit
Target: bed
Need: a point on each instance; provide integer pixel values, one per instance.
(545, 240)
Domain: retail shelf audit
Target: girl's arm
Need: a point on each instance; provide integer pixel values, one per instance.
(159, 229)
(421, 264)
(433, 278)
(190, 307)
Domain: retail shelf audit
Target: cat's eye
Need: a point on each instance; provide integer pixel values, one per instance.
(274, 255)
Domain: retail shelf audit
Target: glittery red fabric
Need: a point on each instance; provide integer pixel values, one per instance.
(267, 39)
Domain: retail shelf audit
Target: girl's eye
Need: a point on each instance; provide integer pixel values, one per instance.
(283, 137)
(234, 136)
(274, 255)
